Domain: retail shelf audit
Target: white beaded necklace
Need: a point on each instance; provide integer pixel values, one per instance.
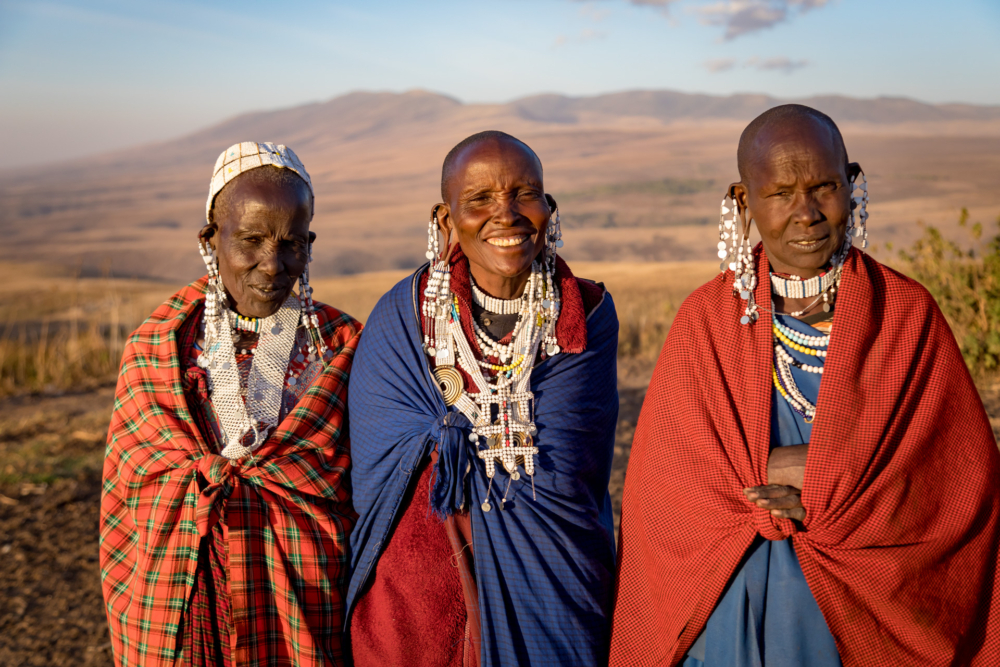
(260, 410)
(493, 304)
(782, 377)
(510, 433)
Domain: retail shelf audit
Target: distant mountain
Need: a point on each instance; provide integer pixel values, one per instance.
(638, 173)
(668, 106)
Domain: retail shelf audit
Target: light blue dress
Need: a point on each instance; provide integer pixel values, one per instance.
(767, 614)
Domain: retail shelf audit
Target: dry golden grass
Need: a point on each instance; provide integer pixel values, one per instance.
(64, 333)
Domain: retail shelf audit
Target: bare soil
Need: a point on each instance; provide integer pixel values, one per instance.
(51, 448)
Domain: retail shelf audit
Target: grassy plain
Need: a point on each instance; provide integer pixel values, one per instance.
(60, 340)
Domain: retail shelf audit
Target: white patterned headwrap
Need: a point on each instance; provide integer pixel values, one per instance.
(248, 155)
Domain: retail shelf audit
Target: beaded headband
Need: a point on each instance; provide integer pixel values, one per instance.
(248, 155)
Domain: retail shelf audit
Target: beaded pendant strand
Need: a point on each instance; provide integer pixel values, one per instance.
(781, 375)
(502, 407)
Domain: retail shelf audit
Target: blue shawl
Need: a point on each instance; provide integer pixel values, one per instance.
(545, 567)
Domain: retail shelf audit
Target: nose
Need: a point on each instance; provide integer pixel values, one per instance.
(270, 263)
(806, 211)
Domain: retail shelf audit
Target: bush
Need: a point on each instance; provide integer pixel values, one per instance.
(966, 285)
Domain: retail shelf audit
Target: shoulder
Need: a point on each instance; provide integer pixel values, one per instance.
(892, 284)
(337, 327)
(716, 293)
(172, 313)
(592, 293)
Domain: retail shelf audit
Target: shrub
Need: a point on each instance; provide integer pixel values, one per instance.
(966, 285)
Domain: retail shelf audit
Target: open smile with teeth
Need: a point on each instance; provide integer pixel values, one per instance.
(507, 241)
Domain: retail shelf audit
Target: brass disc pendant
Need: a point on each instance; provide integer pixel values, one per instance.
(450, 382)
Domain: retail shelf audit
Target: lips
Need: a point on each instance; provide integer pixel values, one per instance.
(507, 241)
(269, 292)
(809, 244)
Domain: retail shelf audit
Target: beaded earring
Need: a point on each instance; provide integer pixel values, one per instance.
(553, 237)
(727, 234)
(433, 245)
(736, 253)
(214, 301)
(317, 346)
(859, 204)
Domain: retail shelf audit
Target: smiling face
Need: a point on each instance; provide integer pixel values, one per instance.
(498, 210)
(260, 233)
(798, 193)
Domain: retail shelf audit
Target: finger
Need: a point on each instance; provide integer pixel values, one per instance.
(784, 503)
(798, 514)
(776, 491)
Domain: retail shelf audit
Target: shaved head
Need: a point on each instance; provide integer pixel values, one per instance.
(448, 169)
(752, 149)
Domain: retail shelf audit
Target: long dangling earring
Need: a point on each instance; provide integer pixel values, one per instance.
(859, 204)
(727, 234)
(214, 299)
(553, 238)
(745, 281)
(317, 346)
(433, 245)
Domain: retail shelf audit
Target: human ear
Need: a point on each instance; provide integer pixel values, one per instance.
(207, 234)
(552, 203)
(739, 193)
(442, 212)
(853, 169)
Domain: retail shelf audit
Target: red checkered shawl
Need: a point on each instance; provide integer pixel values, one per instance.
(285, 512)
(901, 485)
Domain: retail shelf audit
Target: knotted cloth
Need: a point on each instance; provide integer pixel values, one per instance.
(544, 566)
(900, 541)
(285, 511)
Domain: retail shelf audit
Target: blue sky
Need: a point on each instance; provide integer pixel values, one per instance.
(83, 77)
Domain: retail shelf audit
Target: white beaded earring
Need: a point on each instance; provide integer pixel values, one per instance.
(214, 300)
(553, 238)
(745, 277)
(727, 234)
(736, 253)
(317, 346)
(433, 244)
(859, 205)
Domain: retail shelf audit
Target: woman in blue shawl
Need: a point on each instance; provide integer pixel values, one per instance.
(483, 405)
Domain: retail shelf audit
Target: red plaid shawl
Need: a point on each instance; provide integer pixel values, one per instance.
(285, 511)
(901, 486)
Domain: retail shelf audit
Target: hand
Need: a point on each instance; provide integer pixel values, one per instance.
(783, 502)
(786, 466)
(782, 497)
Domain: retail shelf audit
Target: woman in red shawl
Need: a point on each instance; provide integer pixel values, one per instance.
(773, 519)
(224, 519)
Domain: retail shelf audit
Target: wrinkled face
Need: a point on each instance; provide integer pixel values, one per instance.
(497, 208)
(799, 195)
(261, 240)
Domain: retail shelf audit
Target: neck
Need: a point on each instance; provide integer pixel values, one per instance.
(500, 287)
(783, 305)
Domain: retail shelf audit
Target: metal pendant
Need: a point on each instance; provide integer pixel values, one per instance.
(450, 382)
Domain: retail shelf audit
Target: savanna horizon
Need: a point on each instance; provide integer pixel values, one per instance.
(638, 177)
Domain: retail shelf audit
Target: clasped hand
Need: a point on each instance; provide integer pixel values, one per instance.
(782, 497)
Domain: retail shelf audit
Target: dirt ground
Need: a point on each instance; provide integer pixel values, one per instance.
(52, 613)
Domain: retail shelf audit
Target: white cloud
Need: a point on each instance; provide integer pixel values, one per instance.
(782, 64)
(741, 17)
(720, 65)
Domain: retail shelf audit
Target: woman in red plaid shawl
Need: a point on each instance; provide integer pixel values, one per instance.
(813, 480)
(224, 519)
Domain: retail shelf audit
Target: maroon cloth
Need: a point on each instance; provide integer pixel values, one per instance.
(422, 609)
(900, 541)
